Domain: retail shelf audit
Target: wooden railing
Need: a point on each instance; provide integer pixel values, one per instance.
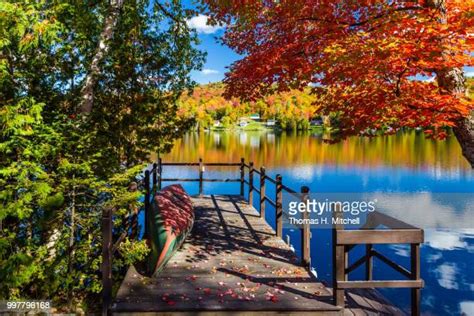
(397, 232)
(264, 198)
(343, 240)
(111, 247)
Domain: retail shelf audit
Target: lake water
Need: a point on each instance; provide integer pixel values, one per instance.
(406, 162)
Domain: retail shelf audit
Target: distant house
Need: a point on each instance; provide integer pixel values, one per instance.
(243, 123)
(316, 122)
(270, 123)
(255, 117)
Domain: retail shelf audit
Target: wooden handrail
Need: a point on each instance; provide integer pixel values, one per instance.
(180, 164)
(279, 206)
(250, 183)
(392, 264)
(201, 175)
(256, 171)
(270, 179)
(242, 176)
(270, 201)
(147, 203)
(345, 240)
(262, 192)
(106, 266)
(306, 231)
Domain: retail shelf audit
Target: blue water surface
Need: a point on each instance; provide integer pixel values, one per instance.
(447, 256)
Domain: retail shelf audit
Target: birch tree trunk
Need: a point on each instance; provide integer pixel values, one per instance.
(452, 81)
(87, 91)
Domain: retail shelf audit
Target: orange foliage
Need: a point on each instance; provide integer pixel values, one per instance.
(364, 53)
(207, 103)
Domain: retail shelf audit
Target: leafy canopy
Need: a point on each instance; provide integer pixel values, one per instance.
(365, 54)
(57, 171)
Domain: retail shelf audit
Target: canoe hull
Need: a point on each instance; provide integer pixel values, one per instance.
(172, 220)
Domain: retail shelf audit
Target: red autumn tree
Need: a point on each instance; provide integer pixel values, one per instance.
(365, 56)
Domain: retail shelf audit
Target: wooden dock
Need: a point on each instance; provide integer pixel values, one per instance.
(233, 263)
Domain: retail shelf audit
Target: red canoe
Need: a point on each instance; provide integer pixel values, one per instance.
(172, 219)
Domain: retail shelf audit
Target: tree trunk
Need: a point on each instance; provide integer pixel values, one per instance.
(452, 81)
(106, 35)
(465, 134)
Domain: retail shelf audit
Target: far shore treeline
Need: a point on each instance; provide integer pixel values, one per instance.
(208, 108)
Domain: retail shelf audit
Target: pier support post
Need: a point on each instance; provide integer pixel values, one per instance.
(106, 267)
(133, 187)
(415, 272)
(368, 262)
(242, 176)
(251, 183)
(262, 192)
(201, 172)
(338, 261)
(160, 171)
(279, 206)
(147, 203)
(306, 231)
(154, 178)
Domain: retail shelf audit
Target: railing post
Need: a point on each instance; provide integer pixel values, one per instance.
(147, 203)
(339, 261)
(279, 206)
(306, 231)
(242, 176)
(368, 262)
(262, 192)
(201, 171)
(133, 187)
(160, 172)
(415, 272)
(251, 183)
(106, 260)
(154, 175)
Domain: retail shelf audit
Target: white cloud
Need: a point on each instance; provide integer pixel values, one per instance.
(445, 240)
(467, 307)
(207, 71)
(434, 257)
(401, 250)
(200, 24)
(430, 210)
(469, 73)
(446, 274)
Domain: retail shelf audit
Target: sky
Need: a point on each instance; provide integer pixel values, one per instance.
(219, 56)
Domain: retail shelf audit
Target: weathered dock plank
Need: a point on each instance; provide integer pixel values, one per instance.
(233, 262)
